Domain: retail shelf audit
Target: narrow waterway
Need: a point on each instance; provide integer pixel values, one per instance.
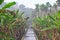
(30, 35)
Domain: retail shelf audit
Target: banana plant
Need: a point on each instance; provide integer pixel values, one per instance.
(10, 20)
(43, 22)
(49, 22)
(56, 20)
(5, 17)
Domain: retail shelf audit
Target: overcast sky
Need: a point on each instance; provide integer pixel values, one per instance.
(31, 3)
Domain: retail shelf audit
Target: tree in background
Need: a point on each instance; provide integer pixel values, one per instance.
(49, 6)
(43, 7)
(37, 9)
(58, 2)
(55, 7)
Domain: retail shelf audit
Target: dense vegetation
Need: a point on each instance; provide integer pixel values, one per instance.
(46, 22)
(48, 27)
(12, 25)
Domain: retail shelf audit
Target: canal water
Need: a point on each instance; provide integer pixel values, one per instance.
(30, 35)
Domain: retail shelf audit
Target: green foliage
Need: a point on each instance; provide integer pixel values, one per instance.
(1, 1)
(49, 22)
(2, 33)
(10, 38)
(10, 21)
(50, 35)
(9, 5)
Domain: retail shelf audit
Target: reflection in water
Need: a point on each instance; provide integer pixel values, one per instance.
(30, 35)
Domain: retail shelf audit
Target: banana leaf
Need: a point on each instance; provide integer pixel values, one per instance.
(9, 5)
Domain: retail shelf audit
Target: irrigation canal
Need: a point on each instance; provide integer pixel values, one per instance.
(30, 35)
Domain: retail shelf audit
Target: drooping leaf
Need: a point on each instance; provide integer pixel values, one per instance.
(17, 11)
(52, 18)
(9, 5)
(21, 14)
(1, 1)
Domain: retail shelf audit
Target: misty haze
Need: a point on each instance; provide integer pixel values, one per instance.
(29, 19)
